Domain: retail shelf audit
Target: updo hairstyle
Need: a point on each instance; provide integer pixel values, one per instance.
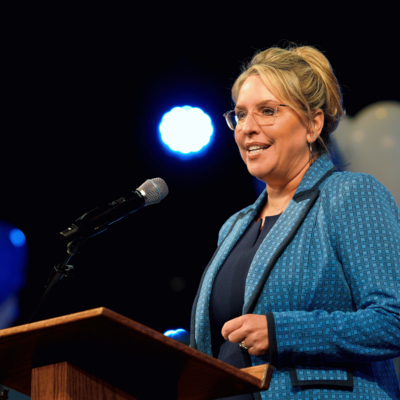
(302, 78)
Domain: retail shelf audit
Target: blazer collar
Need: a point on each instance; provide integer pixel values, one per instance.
(314, 174)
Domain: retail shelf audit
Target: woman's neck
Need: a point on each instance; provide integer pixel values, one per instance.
(286, 187)
(280, 193)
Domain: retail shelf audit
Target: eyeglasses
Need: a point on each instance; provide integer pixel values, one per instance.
(264, 114)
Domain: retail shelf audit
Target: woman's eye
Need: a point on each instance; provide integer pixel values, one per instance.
(240, 115)
(267, 111)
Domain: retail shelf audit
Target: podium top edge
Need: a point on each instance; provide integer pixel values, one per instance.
(64, 319)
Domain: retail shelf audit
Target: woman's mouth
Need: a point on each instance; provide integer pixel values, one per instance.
(257, 149)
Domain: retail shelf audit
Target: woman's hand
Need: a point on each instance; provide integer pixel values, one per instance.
(252, 329)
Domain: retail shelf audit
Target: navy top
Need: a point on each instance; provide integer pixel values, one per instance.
(227, 296)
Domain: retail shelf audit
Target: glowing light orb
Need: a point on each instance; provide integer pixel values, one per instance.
(17, 238)
(186, 129)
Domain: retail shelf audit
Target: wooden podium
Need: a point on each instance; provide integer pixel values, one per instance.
(98, 354)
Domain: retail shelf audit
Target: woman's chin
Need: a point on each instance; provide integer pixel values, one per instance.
(260, 175)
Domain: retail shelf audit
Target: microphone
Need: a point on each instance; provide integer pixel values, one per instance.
(96, 221)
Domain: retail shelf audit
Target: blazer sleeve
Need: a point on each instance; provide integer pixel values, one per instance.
(364, 228)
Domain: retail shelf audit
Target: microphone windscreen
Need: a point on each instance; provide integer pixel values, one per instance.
(155, 189)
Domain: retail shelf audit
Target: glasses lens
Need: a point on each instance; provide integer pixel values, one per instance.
(265, 115)
(231, 119)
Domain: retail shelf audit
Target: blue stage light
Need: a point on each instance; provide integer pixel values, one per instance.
(186, 130)
(17, 238)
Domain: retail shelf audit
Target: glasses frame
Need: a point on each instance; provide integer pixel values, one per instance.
(230, 116)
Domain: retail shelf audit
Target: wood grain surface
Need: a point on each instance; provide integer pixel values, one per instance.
(64, 381)
(122, 353)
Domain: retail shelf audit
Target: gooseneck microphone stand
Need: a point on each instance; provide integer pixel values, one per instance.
(56, 274)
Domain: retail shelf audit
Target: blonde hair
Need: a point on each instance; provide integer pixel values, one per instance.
(302, 77)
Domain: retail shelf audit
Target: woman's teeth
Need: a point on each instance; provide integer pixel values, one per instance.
(257, 149)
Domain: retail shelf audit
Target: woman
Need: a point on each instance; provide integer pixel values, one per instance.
(308, 277)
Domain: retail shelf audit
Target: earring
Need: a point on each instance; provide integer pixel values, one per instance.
(311, 150)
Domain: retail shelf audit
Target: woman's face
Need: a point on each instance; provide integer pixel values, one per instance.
(284, 151)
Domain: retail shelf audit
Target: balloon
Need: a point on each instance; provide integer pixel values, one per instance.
(370, 143)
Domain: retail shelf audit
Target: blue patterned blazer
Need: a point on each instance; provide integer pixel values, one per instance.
(327, 276)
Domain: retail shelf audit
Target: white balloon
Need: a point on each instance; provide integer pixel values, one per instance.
(370, 143)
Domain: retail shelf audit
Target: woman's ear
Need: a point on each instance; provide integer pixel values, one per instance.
(316, 126)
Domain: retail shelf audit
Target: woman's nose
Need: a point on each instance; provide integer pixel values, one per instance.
(250, 126)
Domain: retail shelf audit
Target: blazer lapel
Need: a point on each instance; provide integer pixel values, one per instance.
(284, 230)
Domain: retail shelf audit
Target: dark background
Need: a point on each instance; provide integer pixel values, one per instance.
(86, 90)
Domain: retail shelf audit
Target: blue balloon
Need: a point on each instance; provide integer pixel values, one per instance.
(179, 334)
(13, 260)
